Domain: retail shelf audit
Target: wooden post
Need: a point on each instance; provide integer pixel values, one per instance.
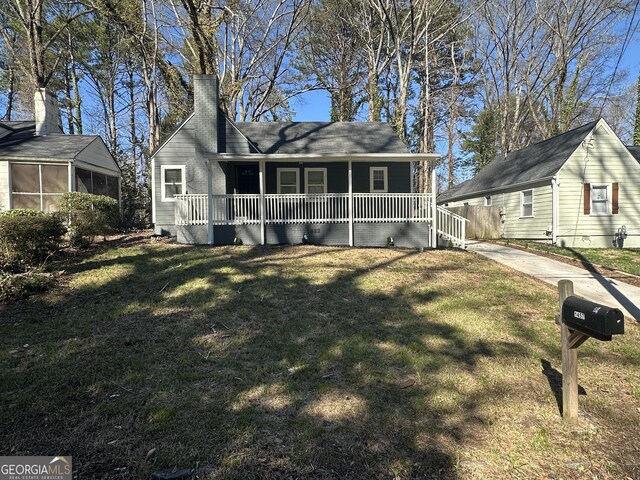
(569, 361)
(571, 340)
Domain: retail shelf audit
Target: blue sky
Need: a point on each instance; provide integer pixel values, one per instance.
(315, 105)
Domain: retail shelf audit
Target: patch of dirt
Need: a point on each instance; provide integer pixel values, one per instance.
(604, 271)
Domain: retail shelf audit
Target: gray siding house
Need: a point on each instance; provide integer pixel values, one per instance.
(219, 182)
(578, 189)
(38, 163)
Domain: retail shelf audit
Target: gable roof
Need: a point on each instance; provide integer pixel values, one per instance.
(21, 142)
(535, 162)
(635, 151)
(322, 137)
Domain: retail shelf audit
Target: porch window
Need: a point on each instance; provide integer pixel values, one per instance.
(315, 180)
(288, 180)
(38, 186)
(173, 181)
(526, 206)
(378, 180)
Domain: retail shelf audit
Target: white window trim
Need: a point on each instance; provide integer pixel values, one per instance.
(488, 200)
(306, 178)
(609, 203)
(386, 179)
(279, 172)
(522, 215)
(163, 183)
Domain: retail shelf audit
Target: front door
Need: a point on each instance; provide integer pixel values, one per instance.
(247, 179)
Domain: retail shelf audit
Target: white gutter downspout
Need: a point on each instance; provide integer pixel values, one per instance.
(554, 209)
(209, 203)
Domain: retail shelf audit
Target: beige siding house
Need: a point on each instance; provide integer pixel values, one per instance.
(579, 189)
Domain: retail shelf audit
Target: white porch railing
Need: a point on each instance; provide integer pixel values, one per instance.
(321, 208)
(300, 208)
(392, 207)
(452, 227)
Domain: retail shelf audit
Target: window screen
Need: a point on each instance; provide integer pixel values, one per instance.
(112, 187)
(83, 181)
(55, 178)
(38, 186)
(25, 178)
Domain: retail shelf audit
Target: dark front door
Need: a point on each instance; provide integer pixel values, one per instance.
(247, 180)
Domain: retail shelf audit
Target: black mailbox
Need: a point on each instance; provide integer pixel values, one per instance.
(597, 321)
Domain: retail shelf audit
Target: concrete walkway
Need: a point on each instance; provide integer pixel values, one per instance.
(589, 285)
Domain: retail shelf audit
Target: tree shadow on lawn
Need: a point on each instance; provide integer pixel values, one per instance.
(262, 362)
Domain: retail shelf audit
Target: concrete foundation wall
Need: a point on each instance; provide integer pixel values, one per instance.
(409, 235)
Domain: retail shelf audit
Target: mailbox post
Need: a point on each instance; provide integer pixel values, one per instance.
(579, 321)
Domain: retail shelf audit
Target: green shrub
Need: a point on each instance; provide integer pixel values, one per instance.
(19, 286)
(26, 241)
(22, 212)
(88, 215)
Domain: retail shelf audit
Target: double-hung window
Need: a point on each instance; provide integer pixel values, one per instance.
(378, 181)
(173, 181)
(288, 180)
(526, 203)
(315, 180)
(601, 198)
(487, 201)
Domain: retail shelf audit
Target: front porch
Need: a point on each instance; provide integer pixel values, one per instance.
(354, 219)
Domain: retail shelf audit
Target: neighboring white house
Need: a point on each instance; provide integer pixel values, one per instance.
(578, 189)
(38, 163)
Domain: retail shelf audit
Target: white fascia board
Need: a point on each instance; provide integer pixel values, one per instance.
(324, 157)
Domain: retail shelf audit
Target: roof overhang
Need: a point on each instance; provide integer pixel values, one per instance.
(323, 157)
(481, 193)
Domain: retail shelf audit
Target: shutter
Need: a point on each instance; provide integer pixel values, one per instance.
(587, 198)
(614, 198)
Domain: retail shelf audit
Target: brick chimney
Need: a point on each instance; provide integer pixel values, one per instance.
(205, 106)
(46, 113)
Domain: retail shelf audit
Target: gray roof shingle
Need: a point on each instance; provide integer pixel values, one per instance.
(535, 162)
(22, 143)
(323, 137)
(635, 151)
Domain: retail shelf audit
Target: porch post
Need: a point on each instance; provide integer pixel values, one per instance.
(434, 206)
(209, 203)
(350, 204)
(262, 206)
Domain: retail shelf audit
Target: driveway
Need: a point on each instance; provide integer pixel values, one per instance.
(589, 285)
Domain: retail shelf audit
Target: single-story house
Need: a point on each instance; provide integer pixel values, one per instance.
(38, 163)
(578, 189)
(219, 182)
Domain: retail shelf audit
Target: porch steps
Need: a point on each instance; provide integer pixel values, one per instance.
(451, 228)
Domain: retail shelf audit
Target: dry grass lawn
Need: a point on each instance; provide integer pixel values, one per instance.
(308, 362)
